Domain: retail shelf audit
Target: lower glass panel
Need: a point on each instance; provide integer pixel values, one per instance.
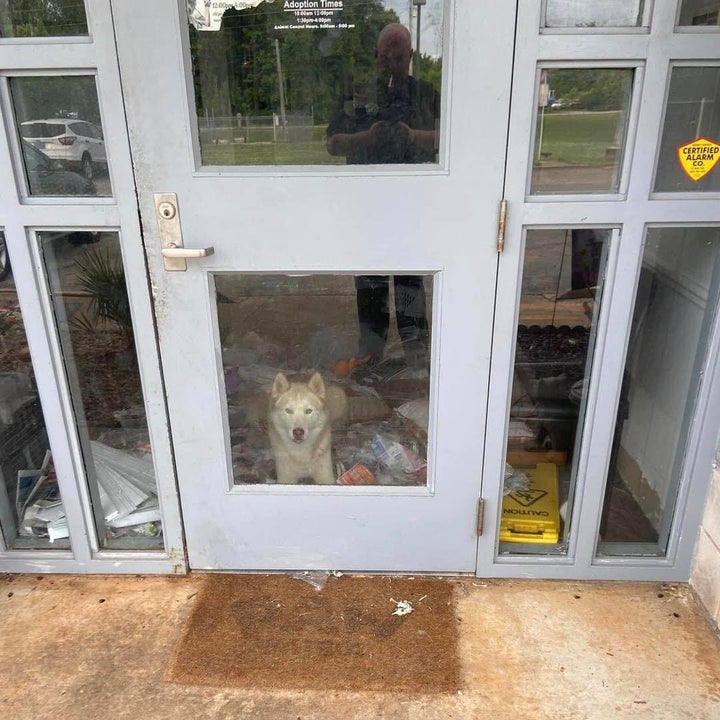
(92, 313)
(562, 283)
(675, 307)
(327, 378)
(30, 500)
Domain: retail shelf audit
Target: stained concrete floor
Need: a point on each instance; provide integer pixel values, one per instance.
(76, 647)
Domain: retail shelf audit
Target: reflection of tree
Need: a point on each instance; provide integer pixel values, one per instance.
(101, 275)
(591, 88)
(431, 70)
(37, 98)
(39, 18)
(236, 70)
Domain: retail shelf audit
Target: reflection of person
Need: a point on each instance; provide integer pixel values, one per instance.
(393, 120)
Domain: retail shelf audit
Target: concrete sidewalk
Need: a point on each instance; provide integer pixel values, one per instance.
(76, 647)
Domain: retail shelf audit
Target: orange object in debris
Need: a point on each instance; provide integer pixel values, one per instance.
(357, 475)
(344, 367)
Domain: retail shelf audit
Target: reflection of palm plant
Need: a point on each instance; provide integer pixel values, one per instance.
(102, 277)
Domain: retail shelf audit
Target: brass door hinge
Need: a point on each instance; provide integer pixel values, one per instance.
(480, 516)
(502, 220)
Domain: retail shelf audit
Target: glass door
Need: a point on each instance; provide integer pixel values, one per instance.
(609, 346)
(320, 213)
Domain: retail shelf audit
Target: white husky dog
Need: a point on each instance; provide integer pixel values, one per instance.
(300, 418)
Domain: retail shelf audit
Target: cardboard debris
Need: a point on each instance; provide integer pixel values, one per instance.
(126, 484)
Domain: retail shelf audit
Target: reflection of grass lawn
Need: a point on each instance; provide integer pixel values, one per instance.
(263, 151)
(303, 153)
(578, 138)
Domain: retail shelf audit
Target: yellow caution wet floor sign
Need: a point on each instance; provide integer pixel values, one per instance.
(698, 157)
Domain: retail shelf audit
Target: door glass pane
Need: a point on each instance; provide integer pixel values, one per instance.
(690, 146)
(600, 13)
(699, 12)
(562, 284)
(581, 130)
(20, 18)
(317, 83)
(92, 315)
(326, 377)
(675, 309)
(58, 119)
(31, 515)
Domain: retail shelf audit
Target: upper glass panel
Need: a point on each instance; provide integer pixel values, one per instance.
(600, 13)
(690, 145)
(317, 82)
(326, 377)
(42, 18)
(58, 119)
(581, 130)
(32, 516)
(699, 12)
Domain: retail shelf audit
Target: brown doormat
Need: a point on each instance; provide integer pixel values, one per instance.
(274, 631)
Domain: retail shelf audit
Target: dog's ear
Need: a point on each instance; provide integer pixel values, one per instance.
(316, 385)
(279, 386)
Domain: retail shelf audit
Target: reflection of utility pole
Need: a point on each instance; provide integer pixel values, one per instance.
(416, 56)
(281, 85)
(542, 103)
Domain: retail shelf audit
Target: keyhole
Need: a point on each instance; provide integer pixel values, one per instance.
(166, 210)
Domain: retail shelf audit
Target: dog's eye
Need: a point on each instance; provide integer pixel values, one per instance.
(289, 411)
(308, 411)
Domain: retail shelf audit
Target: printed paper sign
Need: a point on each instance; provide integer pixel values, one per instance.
(698, 157)
(292, 14)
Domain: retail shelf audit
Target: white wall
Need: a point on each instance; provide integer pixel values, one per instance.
(705, 576)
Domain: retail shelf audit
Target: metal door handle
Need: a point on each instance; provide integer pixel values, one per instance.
(182, 252)
(173, 251)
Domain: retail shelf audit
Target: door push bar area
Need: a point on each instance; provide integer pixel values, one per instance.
(175, 254)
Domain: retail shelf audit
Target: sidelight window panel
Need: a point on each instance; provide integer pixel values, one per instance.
(675, 307)
(23, 19)
(563, 275)
(689, 156)
(589, 15)
(92, 315)
(31, 509)
(581, 130)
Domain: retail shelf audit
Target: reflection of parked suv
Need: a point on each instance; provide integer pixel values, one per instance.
(75, 143)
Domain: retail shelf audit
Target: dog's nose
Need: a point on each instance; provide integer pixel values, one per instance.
(298, 434)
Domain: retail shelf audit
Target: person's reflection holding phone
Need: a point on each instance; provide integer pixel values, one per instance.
(391, 120)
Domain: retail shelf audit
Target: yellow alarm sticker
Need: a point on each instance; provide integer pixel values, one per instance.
(698, 157)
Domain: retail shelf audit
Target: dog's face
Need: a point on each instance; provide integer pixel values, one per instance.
(297, 410)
